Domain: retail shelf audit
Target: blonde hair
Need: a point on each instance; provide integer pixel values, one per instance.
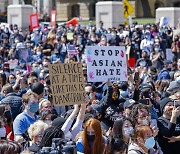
(36, 128)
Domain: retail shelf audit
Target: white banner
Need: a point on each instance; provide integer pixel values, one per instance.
(106, 62)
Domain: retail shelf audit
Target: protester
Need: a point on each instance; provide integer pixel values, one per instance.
(36, 132)
(129, 113)
(27, 117)
(91, 140)
(168, 124)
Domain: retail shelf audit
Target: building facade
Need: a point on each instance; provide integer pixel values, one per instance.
(67, 9)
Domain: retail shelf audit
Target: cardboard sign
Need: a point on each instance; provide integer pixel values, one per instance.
(67, 83)
(34, 22)
(106, 62)
(53, 17)
(70, 36)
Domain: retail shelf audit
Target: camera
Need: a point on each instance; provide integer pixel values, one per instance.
(60, 146)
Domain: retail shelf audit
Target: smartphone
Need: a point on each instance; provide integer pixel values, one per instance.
(176, 103)
(144, 101)
(136, 76)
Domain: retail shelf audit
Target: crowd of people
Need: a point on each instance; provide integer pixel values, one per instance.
(140, 116)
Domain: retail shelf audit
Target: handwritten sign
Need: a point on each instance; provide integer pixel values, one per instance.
(106, 62)
(67, 83)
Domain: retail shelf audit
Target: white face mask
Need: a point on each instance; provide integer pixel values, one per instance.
(2, 132)
(38, 53)
(128, 132)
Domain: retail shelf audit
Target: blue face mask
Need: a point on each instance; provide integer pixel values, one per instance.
(150, 142)
(124, 94)
(33, 108)
(90, 96)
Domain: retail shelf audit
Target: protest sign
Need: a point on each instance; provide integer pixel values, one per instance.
(23, 54)
(34, 21)
(72, 51)
(70, 36)
(13, 63)
(169, 55)
(106, 62)
(67, 83)
(53, 18)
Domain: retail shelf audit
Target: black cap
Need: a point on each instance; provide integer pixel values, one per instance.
(37, 88)
(58, 122)
(128, 103)
(163, 103)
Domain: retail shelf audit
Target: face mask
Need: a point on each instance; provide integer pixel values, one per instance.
(113, 35)
(156, 40)
(12, 81)
(178, 64)
(169, 69)
(150, 142)
(8, 114)
(38, 53)
(90, 137)
(124, 93)
(33, 108)
(144, 122)
(2, 132)
(142, 63)
(90, 96)
(128, 131)
(16, 41)
(156, 49)
(147, 36)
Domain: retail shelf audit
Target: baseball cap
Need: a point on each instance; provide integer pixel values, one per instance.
(128, 103)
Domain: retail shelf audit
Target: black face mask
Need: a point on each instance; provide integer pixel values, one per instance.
(90, 137)
(48, 82)
(8, 115)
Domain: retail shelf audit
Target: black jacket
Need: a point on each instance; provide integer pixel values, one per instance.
(168, 129)
(110, 109)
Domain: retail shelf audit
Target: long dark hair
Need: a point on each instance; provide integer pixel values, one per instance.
(118, 126)
(49, 134)
(8, 147)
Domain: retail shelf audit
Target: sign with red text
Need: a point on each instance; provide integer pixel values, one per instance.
(106, 62)
(53, 17)
(67, 83)
(34, 21)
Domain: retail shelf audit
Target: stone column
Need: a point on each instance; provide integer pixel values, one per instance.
(62, 11)
(84, 11)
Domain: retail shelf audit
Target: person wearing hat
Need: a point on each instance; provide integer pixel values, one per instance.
(164, 74)
(169, 126)
(147, 43)
(128, 104)
(156, 57)
(38, 88)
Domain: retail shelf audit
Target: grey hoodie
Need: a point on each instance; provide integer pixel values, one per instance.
(135, 149)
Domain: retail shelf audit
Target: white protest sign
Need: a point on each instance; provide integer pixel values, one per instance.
(169, 55)
(106, 62)
(164, 21)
